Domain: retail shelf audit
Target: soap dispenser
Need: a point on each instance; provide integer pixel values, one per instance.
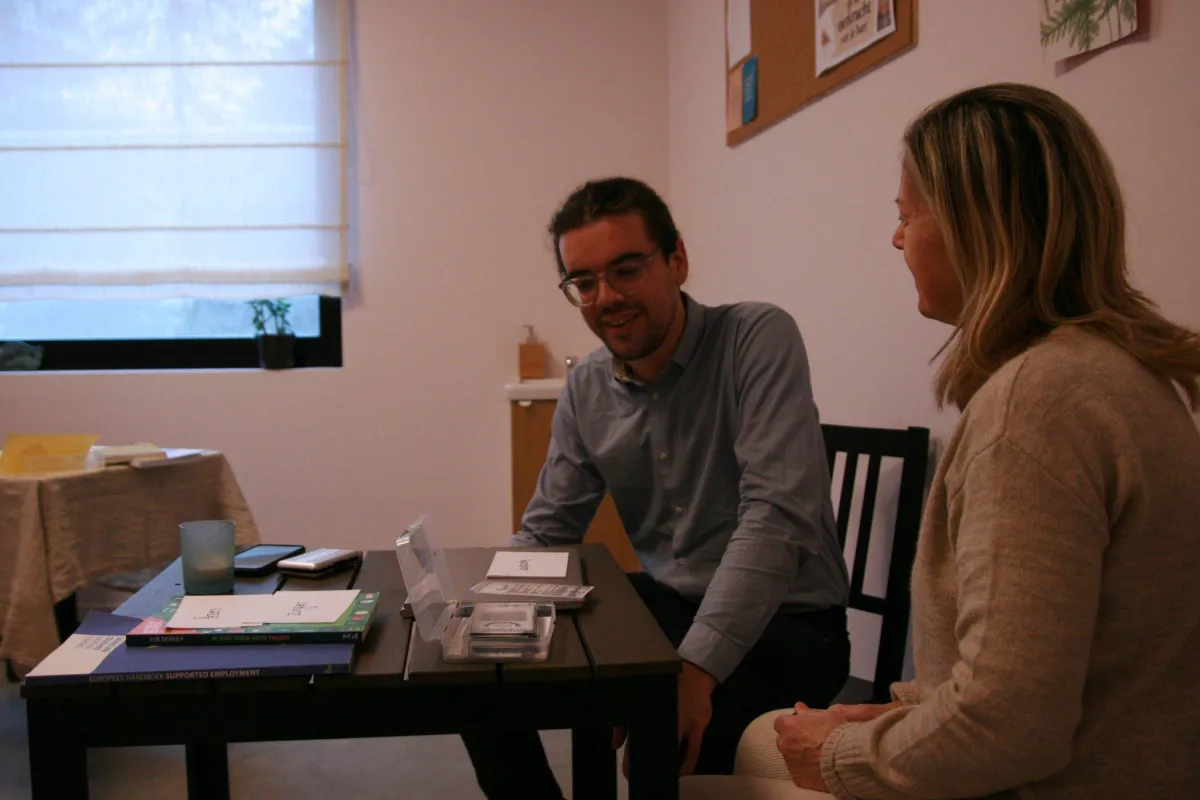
(531, 357)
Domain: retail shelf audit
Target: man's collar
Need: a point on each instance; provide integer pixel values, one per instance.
(692, 330)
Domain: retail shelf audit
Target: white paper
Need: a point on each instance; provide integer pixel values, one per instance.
(214, 611)
(315, 607)
(737, 30)
(173, 455)
(243, 610)
(548, 591)
(844, 28)
(529, 565)
(81, 654)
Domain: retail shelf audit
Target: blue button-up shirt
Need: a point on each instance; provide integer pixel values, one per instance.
(717, 469)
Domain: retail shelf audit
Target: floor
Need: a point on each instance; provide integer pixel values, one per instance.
(409, 768)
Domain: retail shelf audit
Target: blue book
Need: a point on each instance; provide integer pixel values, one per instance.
(96, 653)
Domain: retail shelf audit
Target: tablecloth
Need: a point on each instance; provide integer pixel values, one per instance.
(59, 532)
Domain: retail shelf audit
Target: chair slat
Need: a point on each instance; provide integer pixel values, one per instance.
(912, 447)
(866, 519)
(849, 473)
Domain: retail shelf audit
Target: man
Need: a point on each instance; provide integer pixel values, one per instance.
(700, 422)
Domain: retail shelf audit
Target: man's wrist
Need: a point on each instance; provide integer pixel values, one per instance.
(710, 650)
(699, 675)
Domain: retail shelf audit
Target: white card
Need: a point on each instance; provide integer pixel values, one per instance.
(529, 565)
(215, 611)
(548, 591)
(309, 607)
(240, 611)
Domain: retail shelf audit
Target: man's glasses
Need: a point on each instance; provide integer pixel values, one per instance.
(625, 278)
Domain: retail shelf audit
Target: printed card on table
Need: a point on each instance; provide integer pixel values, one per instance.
(529, 565)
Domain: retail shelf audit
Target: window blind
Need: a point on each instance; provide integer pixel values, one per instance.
(173, 148)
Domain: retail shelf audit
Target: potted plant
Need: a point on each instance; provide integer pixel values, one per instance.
(276, 340)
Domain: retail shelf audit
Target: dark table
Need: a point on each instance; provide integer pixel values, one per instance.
(609, 665)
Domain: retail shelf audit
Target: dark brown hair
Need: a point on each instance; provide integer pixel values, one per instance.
(612, 197)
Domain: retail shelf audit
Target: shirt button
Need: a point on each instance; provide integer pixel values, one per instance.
(654, 396)
(681, 561)
(678, 509)
(662, 456)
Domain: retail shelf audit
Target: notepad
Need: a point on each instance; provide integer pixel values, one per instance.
(114, 455)
(29, 454)
(508, 564)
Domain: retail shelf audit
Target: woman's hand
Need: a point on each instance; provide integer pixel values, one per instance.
(801, 737)
(865, 712)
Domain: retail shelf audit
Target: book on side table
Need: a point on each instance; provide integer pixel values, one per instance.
(97, 653)
(350, 628)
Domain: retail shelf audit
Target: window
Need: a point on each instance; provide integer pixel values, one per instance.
(163, 162)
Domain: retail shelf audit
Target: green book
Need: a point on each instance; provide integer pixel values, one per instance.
(350, 628)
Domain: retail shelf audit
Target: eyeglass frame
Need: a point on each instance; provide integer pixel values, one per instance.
(641, 260)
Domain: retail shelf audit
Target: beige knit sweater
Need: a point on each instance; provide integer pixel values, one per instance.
(1056, 596)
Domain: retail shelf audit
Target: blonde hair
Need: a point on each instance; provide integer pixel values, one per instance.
(1029, 207)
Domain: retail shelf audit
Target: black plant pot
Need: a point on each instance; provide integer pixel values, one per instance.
(277, 351)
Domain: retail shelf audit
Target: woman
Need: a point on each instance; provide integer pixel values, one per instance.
(1056, 592)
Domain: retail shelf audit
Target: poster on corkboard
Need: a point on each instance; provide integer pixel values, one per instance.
(845, 28)
(800, 50)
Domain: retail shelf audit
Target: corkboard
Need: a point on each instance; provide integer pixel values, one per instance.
(782, 37)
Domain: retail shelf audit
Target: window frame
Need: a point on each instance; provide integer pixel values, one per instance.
(63, 355)
(230, 353)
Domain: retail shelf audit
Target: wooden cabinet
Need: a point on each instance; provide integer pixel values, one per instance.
(530, 442)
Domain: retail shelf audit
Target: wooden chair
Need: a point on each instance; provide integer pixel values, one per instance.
(912, 447)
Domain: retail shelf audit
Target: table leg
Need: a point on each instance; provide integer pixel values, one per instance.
(593, 764)
(654, 747)
(207, 771)
(57, 760)
(66, 616)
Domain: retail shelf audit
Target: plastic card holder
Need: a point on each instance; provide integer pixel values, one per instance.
(460, 643)
(440, 617)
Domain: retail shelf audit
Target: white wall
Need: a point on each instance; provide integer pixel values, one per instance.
(474, 120)
(803, 213)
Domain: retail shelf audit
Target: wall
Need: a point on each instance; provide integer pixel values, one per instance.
(802, 214)
(474, 120)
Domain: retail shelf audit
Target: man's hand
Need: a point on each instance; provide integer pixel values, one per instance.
(801, 737)
(695, 711)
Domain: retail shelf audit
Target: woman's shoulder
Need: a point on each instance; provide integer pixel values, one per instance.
(1068, 368)
(1070, 396)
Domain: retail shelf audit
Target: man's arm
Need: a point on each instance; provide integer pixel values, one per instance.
(779, 450)
(569, 489)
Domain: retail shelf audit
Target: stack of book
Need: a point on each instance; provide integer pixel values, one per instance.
(142, 455)
(219, 636)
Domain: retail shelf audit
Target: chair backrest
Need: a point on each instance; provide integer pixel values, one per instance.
(912, 447)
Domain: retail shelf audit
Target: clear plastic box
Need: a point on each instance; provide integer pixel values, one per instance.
(439, 616)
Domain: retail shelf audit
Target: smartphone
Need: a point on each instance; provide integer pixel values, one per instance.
(262, 558)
